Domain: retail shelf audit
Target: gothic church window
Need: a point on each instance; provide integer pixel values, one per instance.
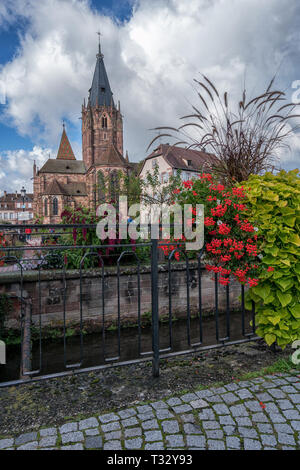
(101, 186)
(46, 207)
(55, 206)
(104, 122)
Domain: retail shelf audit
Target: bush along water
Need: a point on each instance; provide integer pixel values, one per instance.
(274, 202)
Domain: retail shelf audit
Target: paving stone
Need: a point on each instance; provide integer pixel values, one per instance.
(221, 409)
(233, 442)
(285, 404)
(112, 445)
(48, 432)
(93, 442)
(188, 397)
(269, 385)
(264, 397)
(29, 446)
(239, 410)
(170, 426)
(92, 432)
(204, 393)
(144, 409)
(6, 443)
(230, 398)
(214, 399)
(48, 441)
(152, 424)
(88, 423)
(133, 443)
(284, 428)
(220, 390)
(210, 425)
(133, 432)
(229, 430)
(206, 414)
(291, 414)
(174, 401)
(107, 418)
(243, 394)
(243, 421)
(164, 414)
(216, 434)
(24, 438)
(111, 436)
(151, 436)
(276, 393)
(288, 389)
(129, 422)
(196, 441)
(215, 445)
(252, 444)
(252, 405)
(155, 446)
(75, 436)
(271, 408)
(68, 427)
(157, 405)
(231, 387)
(114, 426)
(295, 425)
(146, 416)
(227, 420)
(259, 418)
(268, 440)
(277, 418)
(190, 428)
(286, 439)
(174, 440)
(295, 397)
(247, 432)
(182, 408)
(265, 428)
(73, 447)
(128, 413)
(199, 403)
(187, 418)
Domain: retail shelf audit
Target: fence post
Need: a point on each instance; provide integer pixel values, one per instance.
(154, 303)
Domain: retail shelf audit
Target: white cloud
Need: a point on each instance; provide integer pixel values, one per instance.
(151, 60)
(17, 167)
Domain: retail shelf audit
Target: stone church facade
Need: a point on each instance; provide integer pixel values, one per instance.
(66, 181)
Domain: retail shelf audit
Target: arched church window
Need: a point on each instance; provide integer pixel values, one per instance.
(101, 186)
(55, 206)
(114, 186)
(46, 207)
(104, 122)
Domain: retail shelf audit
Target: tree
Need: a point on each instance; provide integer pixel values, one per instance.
(244, 137)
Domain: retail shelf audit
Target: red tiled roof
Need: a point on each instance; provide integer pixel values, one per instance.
(65, 151)
(180, 158)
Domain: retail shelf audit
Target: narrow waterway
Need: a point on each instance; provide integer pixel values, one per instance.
(53, 351)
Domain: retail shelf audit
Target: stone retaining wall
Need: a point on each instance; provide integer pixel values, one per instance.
(52, 294)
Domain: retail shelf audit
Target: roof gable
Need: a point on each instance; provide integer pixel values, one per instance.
(65, 151)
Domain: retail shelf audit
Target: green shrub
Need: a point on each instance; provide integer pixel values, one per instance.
(275, 208)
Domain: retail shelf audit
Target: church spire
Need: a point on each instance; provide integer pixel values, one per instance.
(100, 94)
(65, 151)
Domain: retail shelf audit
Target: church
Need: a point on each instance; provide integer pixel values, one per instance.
(66, 181)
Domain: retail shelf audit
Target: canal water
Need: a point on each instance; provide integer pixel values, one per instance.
(53, 350)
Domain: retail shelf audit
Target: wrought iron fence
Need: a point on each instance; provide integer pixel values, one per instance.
(14, 255)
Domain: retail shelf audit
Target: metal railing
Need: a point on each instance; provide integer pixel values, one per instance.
(11, 254)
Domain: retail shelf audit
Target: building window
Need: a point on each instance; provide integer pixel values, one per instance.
(154, 163)
(29, 204)
(104, 122)
(5, 215)
(18, 205)
(11, 215)
(46, 207)
(164, 177)
(55, 206)
(101, 186)
(114, 186)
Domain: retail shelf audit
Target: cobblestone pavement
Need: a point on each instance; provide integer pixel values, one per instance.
(257, 414)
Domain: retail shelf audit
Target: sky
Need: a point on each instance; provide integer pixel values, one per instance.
(152, 51)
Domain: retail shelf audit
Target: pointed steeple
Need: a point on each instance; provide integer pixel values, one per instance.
(65, 151)
(100, 94)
